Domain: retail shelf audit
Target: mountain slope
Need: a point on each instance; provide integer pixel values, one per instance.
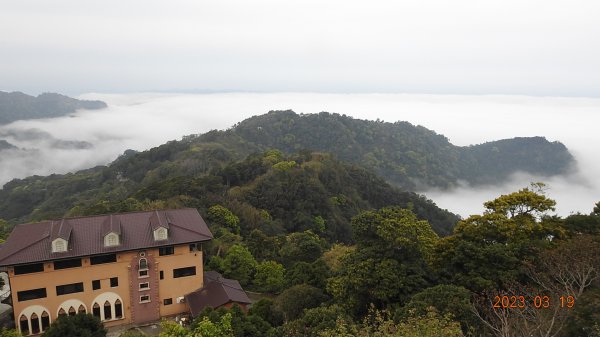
(297, 192)
(17, 105)
(406, 155)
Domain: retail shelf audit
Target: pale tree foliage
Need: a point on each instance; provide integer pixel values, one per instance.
(567, 270)
(379, 324)
(205, 328)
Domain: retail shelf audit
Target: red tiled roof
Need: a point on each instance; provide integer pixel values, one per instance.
(217, 291)
(29, 243)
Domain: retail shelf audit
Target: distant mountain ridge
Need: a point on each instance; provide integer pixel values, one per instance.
(407, 156)
(17, 106)
(412, 157)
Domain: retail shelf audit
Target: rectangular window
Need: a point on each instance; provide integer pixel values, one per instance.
(170, 250)
(32, 294)
(194, 247)
(168, 301)
(29, 268)
(100, 259)
(144, 298)
(69, 288)
(162, 275)
(63, 264)
(183, 272)
(96, 284)
(143, 273)
(114, 282)
(145, 286)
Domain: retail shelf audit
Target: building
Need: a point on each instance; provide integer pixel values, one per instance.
(127, 268)
(217, 292)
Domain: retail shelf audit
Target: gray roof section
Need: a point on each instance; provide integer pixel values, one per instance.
(30, 243)
(111, 224)
(159, 219)
(216, 292)
(61, 229)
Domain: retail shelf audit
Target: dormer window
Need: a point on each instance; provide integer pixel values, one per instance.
(111, 239)
(59, 245)
(160, 234)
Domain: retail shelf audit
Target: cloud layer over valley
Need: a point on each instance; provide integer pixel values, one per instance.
(142, 121)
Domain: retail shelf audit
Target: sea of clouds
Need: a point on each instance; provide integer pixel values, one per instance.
(141, 121)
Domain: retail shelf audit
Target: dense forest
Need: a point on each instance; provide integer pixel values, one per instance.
(404, 155)
(333, 249)
(17, 106)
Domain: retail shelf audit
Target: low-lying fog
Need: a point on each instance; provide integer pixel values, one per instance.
(142, 121)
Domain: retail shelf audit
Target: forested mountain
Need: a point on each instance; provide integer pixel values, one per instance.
(297, 213)
(306, 191)
(403, 154)
(406, 155)
(17, 105)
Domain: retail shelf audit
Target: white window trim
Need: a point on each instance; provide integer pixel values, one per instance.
(161, 234)
(144, 289)
(111, 240)
(145, 301)
(59, 245)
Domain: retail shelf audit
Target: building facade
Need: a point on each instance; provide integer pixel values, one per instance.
(128, 268)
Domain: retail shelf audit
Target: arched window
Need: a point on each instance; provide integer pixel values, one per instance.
(62, 312)
(45, 321)
(35, 324)
(72, 311)
(107, 311)
(81, 310)
(24, 325)
(96, 310)
(143, 264)
(118, 309)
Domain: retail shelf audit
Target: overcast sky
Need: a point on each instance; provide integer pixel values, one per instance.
(530, 47)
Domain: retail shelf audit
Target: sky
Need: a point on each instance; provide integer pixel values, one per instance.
(89, 138)
(524, 47)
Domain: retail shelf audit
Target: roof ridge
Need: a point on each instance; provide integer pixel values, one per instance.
(106, 214)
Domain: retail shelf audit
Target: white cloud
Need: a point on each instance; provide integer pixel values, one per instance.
(142, 121)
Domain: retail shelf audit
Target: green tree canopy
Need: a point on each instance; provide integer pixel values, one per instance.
(219, 215)
(80, 325)
(269, 277)
(239, 264)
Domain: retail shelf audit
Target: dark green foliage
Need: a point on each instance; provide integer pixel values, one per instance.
(404, 154)
(295, 299)
(314, 274)
(586, 315)
(447, 300)
(583, 224)
(389, 263)
(17, 106)
(314, 321)
(305, 246)
(268, 311)
(244, 325)
(80, 325)
(262, 246)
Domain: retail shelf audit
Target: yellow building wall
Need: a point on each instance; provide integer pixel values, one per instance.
(169, 287)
